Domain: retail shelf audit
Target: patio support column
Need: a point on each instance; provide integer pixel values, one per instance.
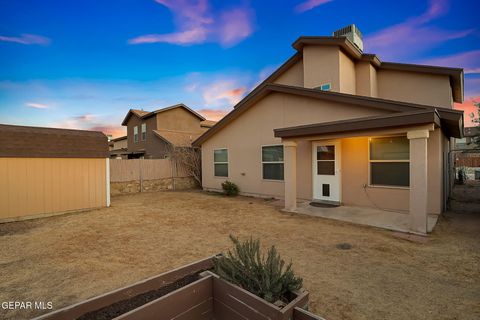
(418, 180)
(290, 172)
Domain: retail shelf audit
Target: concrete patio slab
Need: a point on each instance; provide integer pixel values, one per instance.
(390, 220)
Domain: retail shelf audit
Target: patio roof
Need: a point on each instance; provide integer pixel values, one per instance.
(402, 119)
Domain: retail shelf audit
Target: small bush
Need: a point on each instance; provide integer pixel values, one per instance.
(230, 188)
(248, 268)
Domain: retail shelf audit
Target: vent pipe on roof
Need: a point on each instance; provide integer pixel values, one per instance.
(352, 33)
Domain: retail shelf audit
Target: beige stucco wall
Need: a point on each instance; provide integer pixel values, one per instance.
(355, 175)
(414, 87)
(35, 186)
(347, 74)
(321, 65)
(178, 119)
(366, 79)
(293, 76)
(254, 128)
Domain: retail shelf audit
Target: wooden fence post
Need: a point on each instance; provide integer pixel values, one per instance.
(140, 167)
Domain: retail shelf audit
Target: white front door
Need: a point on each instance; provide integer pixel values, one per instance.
(326, 170)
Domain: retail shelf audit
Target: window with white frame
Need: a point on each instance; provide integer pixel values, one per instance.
(272, 162)
(390, 161)
(144, 131)
(135, 134)
(220, 162)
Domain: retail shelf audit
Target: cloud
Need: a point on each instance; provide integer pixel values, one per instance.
(27, 39)
(470, 110)
(223, 92)
(114, 131)
(37, 105)
(309, 5)
(213, 114)
(196, 23)
(469, 60)
(92, 122)
(413, 35)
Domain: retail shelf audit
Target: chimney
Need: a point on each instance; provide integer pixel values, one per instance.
(352, 33)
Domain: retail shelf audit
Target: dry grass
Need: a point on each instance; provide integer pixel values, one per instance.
(69, 258)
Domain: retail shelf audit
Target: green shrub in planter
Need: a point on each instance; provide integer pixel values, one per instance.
(230, 188)
(266, 277)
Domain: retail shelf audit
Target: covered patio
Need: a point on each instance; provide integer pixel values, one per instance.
(345, 172)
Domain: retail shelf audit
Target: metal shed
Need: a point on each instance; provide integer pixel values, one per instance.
(46, 171)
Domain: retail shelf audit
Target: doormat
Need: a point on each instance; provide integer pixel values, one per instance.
(323, 205)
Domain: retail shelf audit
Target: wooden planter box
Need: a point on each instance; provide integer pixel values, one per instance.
(208, 298)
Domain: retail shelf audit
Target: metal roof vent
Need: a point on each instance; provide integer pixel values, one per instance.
(352, 33)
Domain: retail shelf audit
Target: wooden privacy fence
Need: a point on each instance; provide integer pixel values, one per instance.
(138, 175)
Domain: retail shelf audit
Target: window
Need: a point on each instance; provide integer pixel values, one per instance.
(326, 160)
(390, 161)
(220, 162)
(272, 162)
(325, 87)
(144, 131)
(135, 134)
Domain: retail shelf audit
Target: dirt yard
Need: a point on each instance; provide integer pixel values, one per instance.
(66, 259)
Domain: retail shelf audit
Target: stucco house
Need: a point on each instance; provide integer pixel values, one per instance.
(334, 124)
(150, 135)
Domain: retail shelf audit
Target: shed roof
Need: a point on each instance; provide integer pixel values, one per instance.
(38, 142)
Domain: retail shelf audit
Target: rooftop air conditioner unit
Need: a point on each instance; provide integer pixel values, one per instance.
(352, 33)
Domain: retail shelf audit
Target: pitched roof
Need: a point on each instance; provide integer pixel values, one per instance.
(146, 114)
(397, 119)
(118, 139)
(450, 117)
(207, 123)
(177, 138)
(37, 142)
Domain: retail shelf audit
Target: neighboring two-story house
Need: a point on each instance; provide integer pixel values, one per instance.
(151, 135)
(336, 125)
(118, 148)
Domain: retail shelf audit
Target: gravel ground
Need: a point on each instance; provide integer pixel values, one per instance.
(68, 258)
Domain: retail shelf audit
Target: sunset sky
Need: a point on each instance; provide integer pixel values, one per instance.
(83, 64)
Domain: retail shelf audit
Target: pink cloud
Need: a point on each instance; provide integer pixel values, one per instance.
(235, 25)
(114, 131)
(213, 114)
(27, 39)
(469, 60)
(197, 24)
(223, 92)
(37, 105)
(470, 110)
(413, 35)
(309, 5)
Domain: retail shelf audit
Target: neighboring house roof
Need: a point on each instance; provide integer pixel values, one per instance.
(452, 119)
(207, 123)
(177, 138)
(455, 74)
(37, 142)
(146, 114)
(119, 139)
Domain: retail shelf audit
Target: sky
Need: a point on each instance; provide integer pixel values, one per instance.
(84, 64)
